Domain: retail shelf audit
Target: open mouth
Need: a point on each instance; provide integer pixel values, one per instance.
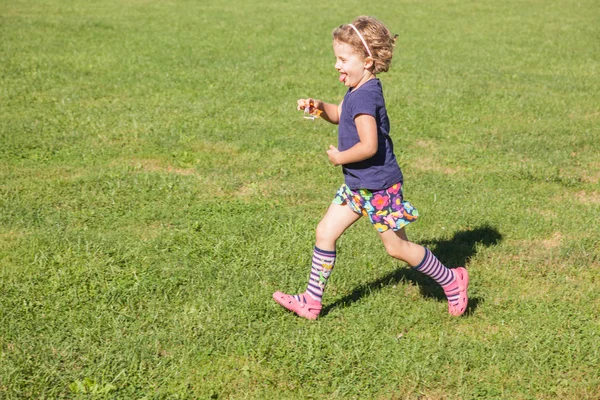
(342, 77)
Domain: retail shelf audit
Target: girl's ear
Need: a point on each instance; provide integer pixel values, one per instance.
(369, 63)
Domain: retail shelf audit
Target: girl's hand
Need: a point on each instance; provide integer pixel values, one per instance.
(333, 154)
(310, 104)
(329, 112)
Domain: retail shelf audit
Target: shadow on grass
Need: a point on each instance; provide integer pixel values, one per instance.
(454, 252)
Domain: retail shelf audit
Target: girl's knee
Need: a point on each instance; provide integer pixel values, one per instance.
(403, 250)
(398, 250)
(324, 234)
(406, 251)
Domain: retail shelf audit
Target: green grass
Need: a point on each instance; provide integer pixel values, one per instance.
(157, 185)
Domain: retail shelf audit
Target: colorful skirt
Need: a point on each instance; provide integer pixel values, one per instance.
(385, 208)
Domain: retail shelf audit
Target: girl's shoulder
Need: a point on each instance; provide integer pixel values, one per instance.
(371, 92)
(373, 86)
(369, 88)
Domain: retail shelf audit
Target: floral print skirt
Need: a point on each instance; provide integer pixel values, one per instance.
(386, 208)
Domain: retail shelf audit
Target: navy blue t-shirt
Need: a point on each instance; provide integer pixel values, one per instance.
(382, 170)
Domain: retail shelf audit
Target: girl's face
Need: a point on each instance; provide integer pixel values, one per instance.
(353, 67)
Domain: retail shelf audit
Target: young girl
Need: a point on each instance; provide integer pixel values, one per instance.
(373, 179)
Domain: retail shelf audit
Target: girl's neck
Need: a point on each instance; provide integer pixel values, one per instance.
(366, 77)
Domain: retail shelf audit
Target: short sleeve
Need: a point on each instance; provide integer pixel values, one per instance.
(366, 103)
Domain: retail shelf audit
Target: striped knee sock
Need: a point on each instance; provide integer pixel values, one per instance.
(433, 268)
(322, 265)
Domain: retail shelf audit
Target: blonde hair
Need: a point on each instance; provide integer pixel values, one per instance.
(378, 38)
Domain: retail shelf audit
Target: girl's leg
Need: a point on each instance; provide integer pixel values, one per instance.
(338, 218)
(402, 234)
(308, 304)
(454, 282)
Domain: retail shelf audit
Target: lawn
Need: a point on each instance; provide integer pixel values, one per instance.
(157, 185)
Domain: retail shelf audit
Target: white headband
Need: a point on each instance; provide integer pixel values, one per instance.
(362, 39)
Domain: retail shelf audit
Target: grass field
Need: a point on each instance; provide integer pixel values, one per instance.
(157, 185)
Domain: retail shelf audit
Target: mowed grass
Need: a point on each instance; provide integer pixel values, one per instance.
(157, 185)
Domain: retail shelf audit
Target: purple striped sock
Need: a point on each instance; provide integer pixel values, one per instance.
(433, 268)
(322, 265)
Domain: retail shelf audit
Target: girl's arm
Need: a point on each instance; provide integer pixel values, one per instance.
(365, 149)
(329, 112)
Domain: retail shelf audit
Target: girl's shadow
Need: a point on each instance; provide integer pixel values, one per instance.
(453, 253)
